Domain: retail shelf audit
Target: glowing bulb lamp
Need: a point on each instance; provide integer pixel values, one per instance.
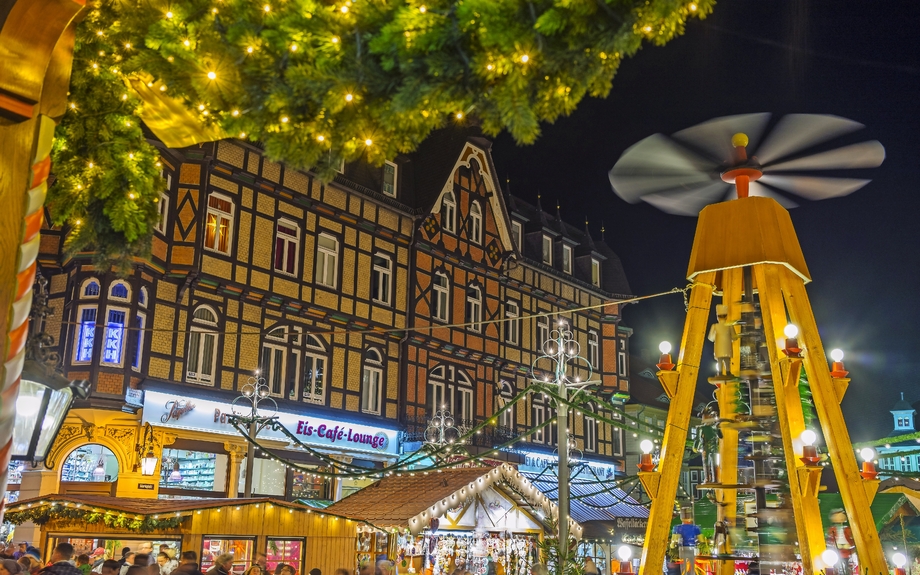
(99, 472)
(837, 369)
(899, 561)
(830, 558)
(809, 453)
(664, 362)
(148, 463)
(645, 460)
(624, 554)
(792, 348)
(868, 469)
(175, 476)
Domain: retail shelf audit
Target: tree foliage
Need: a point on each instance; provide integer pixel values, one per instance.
(318, 81)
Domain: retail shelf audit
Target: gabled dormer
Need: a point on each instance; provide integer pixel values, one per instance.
(903, 415)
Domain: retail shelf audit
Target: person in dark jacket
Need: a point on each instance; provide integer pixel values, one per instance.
(60, 561)
(188, 564)
(223, 565)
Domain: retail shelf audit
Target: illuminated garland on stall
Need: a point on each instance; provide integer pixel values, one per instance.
(42, 514)
(317, 82)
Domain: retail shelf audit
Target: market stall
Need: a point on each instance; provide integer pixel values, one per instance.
(465, 518)
(290, 533)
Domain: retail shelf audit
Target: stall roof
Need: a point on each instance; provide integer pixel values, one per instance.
(137, 506)
(590, 501)
(412, 500)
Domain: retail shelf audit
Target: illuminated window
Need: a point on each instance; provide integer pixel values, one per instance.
(593, 351)
(86, 332)
(517, 234)
(475, 223)
(389, 179)
(440, 297)
(547, 250)
(381, 279)
(595, 273)
(202, 344)
(90, 288)
(567, 259)
(372, 383)
(137, 352)
(219, 224)
(163, 207)
(327, 258)
(142, 297)
(451, 389)
(287, 245)
(621, 363)
(449, 212)
(114, 336)
(314, 373)
(474, 309)
(512, 323)
(119, 291)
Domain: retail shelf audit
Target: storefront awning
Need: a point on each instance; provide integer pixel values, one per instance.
(412, 500)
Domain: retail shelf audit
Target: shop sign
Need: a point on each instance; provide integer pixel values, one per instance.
(145, 486)
(134, 397)
(632, 523)
(170, 410)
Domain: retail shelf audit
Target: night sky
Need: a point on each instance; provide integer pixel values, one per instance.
(856, 60)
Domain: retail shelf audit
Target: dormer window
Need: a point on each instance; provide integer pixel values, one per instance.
(517, 234)
(547, 250)
(595, 273)
(567, 259)
(389, 179)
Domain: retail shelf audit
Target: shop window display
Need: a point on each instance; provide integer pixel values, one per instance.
(268, 477)
(287, 551)
(514, 554)
(241, 549)
(190, 470)
(595, 552)
(307, 486)
(90, 463)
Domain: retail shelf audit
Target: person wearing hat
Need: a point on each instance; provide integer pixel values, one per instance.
(9, 567)
(685, 536)
(723, 334)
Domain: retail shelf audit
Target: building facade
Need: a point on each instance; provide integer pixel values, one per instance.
(900, 457)
(364, 303)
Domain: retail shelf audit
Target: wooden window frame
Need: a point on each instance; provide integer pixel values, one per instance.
(328, 256)
(219, 215)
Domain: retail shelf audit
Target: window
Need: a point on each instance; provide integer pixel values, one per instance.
(142, 297)
(90, 288)
(274, 361)
(202, 343)
(450, 388)
(219, 223)
(381, 279)
(503, 398)
(327, 256)
(592, 351)
(595, 273)
(542, 333)
(517, 234)
(590, 434)
(567, 259)
(389, 179)
(537, 417)
(440, 297)
(314, 371)
(474, 308)
(114, 336)
(119, 291)
(163, 207)
(547, 250)
(287, 244)
(475, 223)
(512, 324)
(372, 383)
(621, 363)
(137, 352)
(449, 212)
(86, 332)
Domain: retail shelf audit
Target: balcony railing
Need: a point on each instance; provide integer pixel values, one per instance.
(488, 436)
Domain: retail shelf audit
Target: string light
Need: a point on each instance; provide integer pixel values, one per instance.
(127, 45)
(422, 9)
(368, 142)
(131, 195)
(693, 6)
(321, 138)
(163, 88)
(249, 50)
(489, 67)
(335, 39)
(284, 120)
(344, 9)
(349, 97)
(293, 47)
(267, 8)
(124, 96)
(459, 115)
(525, 58)
(648, 28)
(212, 76)
(169, 15)
(186, 43)
(235, 113)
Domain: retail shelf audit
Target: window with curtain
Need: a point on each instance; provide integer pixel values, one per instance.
(218, 224)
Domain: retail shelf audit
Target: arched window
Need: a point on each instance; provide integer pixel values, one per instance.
(142, 297)
(475, 223)
(537, 417)
(274, 360)
(440, 297)
(449, 212)
(120, 291)
(590, 428)
(202, 346)
(90, 463)
(451, 388)
(502, 398)
(90, 288)
(314, 371)
(372, 382)
(474, 308)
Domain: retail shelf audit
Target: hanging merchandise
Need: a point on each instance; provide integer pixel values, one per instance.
(473, 552)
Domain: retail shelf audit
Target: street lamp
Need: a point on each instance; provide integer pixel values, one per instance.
(146, 459)
(645, 460)
(561, 350)
(441, 430)
(830, 557)
(45, 396)
(624, 554)
(809, 452)
(254, 392)
(868, 469)
(899, 561)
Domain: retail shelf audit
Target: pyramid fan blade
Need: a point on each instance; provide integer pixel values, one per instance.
(814, 188)
(654, 164)
(758, 189)
(688, 202)
(797, 132)
(715, 136)
(862, 155)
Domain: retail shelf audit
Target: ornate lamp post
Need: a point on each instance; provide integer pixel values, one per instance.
(255, 391)
(561, 353)
(441, 430)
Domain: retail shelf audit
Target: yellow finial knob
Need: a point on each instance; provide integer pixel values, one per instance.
(740, 140)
